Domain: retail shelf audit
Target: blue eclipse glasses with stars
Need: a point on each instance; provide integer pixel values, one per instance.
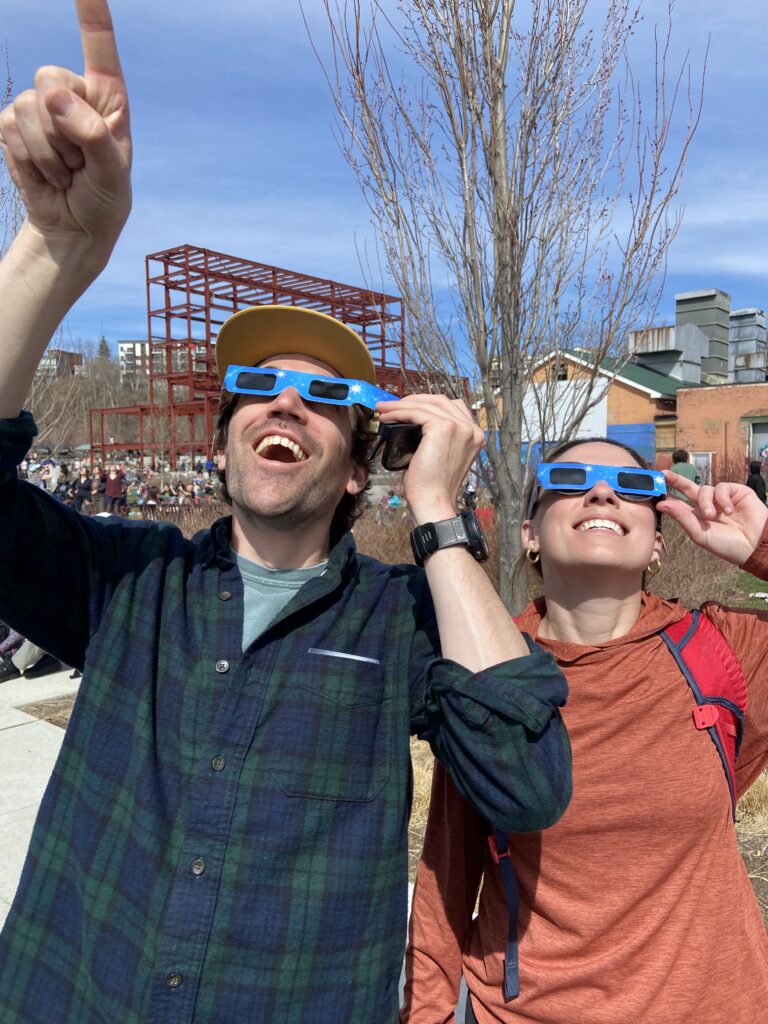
(267, 381)
(630, 482)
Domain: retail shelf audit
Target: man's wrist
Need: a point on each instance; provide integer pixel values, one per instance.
(459, 530)
(431, 513)
(73, 258)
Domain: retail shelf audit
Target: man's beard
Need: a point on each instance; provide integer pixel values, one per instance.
(298, 507)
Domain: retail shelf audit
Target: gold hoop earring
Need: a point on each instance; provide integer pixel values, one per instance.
(654, 567)
(532, 556)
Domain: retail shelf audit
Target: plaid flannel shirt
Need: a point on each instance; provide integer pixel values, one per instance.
(224, 836)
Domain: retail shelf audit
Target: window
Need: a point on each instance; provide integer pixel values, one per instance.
(758, 448)
(703, 462)
(666, 435)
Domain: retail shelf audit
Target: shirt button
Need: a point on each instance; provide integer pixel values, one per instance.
(222, 666)
(224, 595)
(198, 866)
(173, 980)
(218, 763)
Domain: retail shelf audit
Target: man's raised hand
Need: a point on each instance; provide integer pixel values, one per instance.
(449, 445)
(67, 143)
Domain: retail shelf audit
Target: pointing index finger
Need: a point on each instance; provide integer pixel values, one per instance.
(97, 36)
(681, 483)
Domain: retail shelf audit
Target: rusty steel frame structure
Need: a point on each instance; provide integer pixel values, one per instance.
(190, 292)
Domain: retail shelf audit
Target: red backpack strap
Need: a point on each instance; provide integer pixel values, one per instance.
(715, 676)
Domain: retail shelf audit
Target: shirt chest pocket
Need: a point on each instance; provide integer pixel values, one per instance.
(331, 728)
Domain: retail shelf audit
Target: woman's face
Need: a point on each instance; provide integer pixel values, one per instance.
(595, 529)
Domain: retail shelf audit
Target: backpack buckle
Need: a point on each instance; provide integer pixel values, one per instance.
(706, 715)
(497, 857)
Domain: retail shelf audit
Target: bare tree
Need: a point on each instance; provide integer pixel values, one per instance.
(521, 194)
(75, 377)
(57, 397)
(11, 206)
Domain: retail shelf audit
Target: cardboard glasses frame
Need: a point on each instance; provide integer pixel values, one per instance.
(630, 482)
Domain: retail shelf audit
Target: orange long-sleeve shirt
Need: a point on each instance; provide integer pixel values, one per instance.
(636, 907)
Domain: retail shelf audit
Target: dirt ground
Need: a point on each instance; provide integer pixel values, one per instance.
(752, 842)
(55, 711)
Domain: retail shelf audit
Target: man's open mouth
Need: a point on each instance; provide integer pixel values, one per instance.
(276, 448)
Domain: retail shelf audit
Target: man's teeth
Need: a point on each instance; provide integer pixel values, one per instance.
(601, 524)
(275, 439)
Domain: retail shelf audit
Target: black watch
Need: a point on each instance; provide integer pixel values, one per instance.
(464, 529)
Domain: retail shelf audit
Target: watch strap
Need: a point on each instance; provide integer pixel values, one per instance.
(446, 533)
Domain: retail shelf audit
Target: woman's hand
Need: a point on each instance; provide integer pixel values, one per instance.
(727, 519)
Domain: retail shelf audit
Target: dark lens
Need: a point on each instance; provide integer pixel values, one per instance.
(328, 389)
(629, 481)
(255, 380)
(400, 442)
(560, 476)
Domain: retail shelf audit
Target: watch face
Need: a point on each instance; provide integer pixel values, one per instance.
(475, 534)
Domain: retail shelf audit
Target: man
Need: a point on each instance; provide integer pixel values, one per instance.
(224, 837)
(681, 464)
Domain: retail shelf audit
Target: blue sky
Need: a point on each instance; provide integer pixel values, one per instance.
(235, 149)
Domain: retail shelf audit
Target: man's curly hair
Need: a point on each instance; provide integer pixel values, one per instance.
(351, 506)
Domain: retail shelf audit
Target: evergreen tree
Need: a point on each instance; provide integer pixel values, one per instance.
(103, 352)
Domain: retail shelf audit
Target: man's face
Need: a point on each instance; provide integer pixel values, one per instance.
(289, 462)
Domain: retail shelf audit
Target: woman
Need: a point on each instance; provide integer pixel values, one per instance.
(635, 908)
(114, 487)
(80, 491)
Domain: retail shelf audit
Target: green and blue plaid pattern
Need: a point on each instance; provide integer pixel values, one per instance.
(224, 836)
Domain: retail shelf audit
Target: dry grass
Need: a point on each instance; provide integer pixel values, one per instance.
(752, 831)
(690, 573)
(57, 710)
(191, 518)
(752, 810)
(422, 759)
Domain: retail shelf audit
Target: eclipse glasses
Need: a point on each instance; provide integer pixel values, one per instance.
(249, 380)
(630, 482)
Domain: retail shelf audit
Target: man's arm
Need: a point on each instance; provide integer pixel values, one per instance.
(490, 707)
(67, 146)
(475, 628)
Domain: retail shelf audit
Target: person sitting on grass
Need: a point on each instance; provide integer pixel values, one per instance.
(635, 908)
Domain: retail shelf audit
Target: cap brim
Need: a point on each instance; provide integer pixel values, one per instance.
(261, 332)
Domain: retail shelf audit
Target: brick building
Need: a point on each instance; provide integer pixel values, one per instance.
(638, 408)
(724, 426)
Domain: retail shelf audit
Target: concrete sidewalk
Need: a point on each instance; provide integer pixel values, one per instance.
(28, 750)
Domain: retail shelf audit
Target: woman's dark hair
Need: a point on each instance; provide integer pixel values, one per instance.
(351, 506)
(755, 468)
(551, 455)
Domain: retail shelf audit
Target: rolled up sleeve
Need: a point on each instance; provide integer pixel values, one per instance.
(498, 732)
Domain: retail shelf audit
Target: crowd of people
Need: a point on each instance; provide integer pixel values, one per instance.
(121, 488)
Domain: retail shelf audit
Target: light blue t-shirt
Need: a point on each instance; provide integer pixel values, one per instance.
(267, 591)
